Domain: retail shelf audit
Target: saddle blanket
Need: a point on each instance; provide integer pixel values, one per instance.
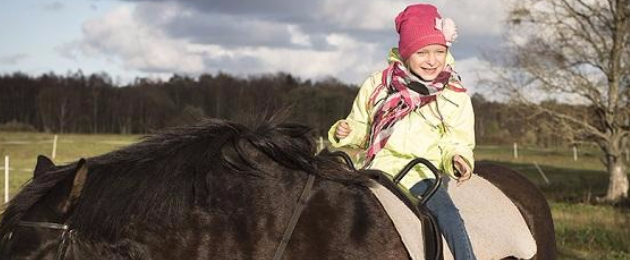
(495, 225)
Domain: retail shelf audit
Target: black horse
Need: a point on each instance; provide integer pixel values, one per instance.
(218, 190)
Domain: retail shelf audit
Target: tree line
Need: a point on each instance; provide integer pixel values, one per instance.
(81, 103)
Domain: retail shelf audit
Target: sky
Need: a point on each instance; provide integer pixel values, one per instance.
(311, 39)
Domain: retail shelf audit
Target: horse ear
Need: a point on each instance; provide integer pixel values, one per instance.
(43, 165)
(80, 175)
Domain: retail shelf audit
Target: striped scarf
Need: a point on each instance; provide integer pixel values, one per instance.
(399, 102)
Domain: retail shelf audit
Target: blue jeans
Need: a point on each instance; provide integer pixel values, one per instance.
(448, 218)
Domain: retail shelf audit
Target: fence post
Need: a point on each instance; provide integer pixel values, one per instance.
(6, 179)
(575, 153)
(54, 151)
(542, 173)
(515, 151)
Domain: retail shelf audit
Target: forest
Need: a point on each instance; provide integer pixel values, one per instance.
(78, 103)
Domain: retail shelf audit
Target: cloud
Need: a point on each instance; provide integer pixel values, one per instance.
(69, 50)
(269, 23)
(472, 70)
(123, 38)
(13, 59)
(53, 6)
(347, 39)
(341, 16)
(233, 31)
(285, 10)
(482, 17)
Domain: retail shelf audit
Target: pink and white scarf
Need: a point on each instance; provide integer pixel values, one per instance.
(400, 101)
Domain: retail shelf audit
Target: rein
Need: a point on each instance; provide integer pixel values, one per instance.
(306, 192)
(66, 235)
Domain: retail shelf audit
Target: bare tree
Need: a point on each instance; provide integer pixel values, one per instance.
(575, 51)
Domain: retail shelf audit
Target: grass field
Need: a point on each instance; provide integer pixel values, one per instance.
(583, 231)
(23, 149)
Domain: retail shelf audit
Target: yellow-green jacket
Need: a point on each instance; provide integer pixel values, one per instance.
(419, 134)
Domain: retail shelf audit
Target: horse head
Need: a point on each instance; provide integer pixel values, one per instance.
(35, 224)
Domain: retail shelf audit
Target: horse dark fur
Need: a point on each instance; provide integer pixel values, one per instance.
(218, 190)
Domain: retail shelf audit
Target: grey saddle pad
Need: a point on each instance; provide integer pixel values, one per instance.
(495, 226)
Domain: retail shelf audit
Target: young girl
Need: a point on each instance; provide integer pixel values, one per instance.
(416, 107)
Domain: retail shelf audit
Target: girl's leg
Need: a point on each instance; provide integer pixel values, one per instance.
(449, 220)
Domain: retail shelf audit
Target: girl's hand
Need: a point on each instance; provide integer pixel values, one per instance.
(343, 130)
(462, 167)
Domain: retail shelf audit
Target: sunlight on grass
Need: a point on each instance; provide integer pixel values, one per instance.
(588, 158)
(23, 149)
(591, 232)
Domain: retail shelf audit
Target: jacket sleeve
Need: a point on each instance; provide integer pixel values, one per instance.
(358, 119)
(459, 136)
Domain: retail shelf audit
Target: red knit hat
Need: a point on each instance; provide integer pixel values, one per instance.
(418, 25)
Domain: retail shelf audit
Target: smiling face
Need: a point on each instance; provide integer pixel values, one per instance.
(428, 62)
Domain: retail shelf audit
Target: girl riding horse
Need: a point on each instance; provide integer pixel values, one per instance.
(417, 107)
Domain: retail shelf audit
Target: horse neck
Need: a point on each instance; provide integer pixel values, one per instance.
(53, 207)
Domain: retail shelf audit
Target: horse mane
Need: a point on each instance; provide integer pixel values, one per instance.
(161, 179)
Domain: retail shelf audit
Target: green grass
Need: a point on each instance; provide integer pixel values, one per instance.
(23, 149)
(569, 180)
(583, 231)
(588, 157)
(591, 232)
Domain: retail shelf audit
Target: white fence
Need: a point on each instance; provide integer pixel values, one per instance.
(7, 169)
(6, 179)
